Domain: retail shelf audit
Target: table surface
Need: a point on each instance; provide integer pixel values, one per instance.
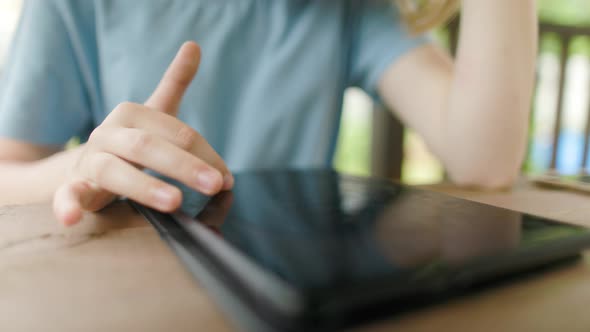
(112, 272)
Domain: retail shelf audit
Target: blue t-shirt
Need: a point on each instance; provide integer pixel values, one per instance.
(270, 86)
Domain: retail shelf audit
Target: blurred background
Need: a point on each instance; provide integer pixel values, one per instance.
(555, 115)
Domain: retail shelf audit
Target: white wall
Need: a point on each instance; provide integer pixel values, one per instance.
(9, 13)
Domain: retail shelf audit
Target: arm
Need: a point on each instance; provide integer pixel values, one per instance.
(31, 172)
(42, 100)
(45, 99)
(473, 114)
(131, 138)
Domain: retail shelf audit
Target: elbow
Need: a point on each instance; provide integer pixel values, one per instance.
(488, 178)
(491, 169)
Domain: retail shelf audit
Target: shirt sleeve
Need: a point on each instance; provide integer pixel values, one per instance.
(379, 39)
(42, 96)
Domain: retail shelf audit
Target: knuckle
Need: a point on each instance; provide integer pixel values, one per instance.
(101, 165)
(96, 135)
(186, 137)
(121, 111)
(124, 106)
(139, 142)
(182, 80)
(195, 167)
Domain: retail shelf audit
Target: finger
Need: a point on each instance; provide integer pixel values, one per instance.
(175, 131)
(168, 94)
(112, 174)
(66, 204)
(158, 154)
(76, 196)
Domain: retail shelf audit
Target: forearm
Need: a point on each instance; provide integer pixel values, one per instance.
(484, 130)
(35, 181)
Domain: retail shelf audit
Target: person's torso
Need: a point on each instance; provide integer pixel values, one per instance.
(269, 89)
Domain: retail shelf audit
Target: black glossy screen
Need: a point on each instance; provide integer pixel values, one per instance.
(318, 229)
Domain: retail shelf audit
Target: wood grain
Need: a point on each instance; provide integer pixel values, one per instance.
(113, 273)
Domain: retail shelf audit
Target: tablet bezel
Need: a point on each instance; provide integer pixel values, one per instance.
(286, 308)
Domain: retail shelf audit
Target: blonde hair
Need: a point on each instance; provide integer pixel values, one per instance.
(423, 15)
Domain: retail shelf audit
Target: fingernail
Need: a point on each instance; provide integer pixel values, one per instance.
(165, 197)
(207, 180)
(228, 181)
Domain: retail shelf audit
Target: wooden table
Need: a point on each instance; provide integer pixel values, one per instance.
(113, 273)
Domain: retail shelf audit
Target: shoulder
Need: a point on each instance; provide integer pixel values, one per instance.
(375, 9)
(53, 17)
(62, 8)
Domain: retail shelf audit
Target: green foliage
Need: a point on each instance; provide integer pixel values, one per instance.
(574, 12)
(353, 153)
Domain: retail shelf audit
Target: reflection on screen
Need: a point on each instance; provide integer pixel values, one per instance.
(320, 228)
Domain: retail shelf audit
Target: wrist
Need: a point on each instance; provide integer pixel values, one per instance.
(49, 173)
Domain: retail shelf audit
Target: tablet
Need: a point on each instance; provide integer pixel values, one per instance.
(579, 183)
(315, 250)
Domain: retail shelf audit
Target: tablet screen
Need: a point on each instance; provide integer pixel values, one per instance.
(320, 230)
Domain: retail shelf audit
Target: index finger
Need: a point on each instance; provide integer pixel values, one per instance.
(179, 75)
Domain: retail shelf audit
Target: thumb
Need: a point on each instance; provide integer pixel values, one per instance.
(176, 79)
(76, 196)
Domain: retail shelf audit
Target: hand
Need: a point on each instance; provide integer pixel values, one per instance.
(136, 136)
